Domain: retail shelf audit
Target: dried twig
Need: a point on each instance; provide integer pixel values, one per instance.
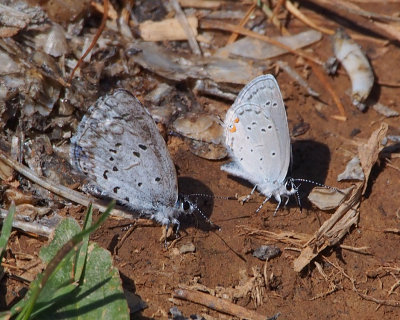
(323, 79)
(180, 16)
(392, 230)
(112, 13)
(33, 227)
(362, 250)
(266, 281)
(124, 237)
(299, 15)
(202, 4)
(293, 74)
(217, 304)
(278, 7)
(357, 19)
(94, 41)
(341, 270)
(356, 10)
(391, 303)
(388, 84)
(394, 287)
(271, 16)
(288, 237)
(332, 286)
(242, 23)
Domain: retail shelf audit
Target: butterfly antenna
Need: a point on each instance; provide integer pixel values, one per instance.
(205, 217)
(195, 207)
(298, 198)
(318, 184)
(203, 195)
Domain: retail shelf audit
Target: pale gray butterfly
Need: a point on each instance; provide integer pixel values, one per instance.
(258, 140)
(118, 146)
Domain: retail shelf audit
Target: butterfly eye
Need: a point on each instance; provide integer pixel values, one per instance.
(289, 186)
(186, 205)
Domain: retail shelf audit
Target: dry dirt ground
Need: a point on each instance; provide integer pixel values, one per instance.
(224, 258)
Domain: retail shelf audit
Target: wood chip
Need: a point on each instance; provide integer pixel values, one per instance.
(166, 30)
(368, 152)
(201, 4)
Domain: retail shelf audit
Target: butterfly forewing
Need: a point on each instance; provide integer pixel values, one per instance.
(118, 147)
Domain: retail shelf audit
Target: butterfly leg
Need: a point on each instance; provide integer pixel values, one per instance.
(259, 208)
(287, 200)
(278, 198)
(166, 235)
(178, 225)
(175, 222)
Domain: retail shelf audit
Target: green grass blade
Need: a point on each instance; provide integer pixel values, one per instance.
(6, 230)
(81, 254)
(5, 234)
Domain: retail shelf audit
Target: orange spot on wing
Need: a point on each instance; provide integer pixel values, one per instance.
(236, 120)
(233, 129)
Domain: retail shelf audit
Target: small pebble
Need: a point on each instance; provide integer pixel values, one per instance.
(354, 132)
(187, 248)
(266, 252)
(158, 94)
(177, 315)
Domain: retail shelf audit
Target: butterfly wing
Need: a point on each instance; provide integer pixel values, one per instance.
(257, 133)
(119, 148)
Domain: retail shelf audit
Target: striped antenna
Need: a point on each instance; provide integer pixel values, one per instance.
(194, 207)
(317, 184)
(298, 198)
(203, 195)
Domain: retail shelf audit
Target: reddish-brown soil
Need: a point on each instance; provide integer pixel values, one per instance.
(320, 154)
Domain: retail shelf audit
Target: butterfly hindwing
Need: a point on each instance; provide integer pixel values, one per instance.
(118, 146)
(257, 133)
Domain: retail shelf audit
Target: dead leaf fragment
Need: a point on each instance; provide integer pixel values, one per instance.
(347, 215)
(353, 171)
(332, 230)
(328, 199)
